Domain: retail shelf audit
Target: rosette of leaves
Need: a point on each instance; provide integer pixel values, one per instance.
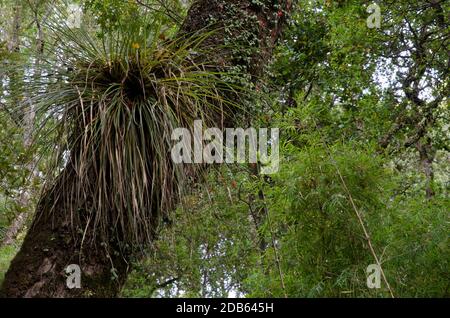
(112, 102)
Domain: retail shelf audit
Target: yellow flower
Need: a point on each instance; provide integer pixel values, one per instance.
(135, 46)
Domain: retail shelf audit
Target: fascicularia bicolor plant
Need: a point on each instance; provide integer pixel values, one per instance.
(115, 101)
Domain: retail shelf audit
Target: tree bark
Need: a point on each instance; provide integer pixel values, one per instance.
(50, 246)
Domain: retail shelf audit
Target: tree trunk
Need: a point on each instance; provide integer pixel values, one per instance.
(13, 47)
(28, 122)
(14, 42)
(24, 197)
(50, 246)
(13, 230)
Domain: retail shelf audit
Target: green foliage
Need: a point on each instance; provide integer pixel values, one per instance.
(323, 249)
(320, 249)
(113, 15)
(303, 236)
(322, 245)
(6, 255)
(417, 253)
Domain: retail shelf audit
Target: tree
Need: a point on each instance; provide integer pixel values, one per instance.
(66, 220)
